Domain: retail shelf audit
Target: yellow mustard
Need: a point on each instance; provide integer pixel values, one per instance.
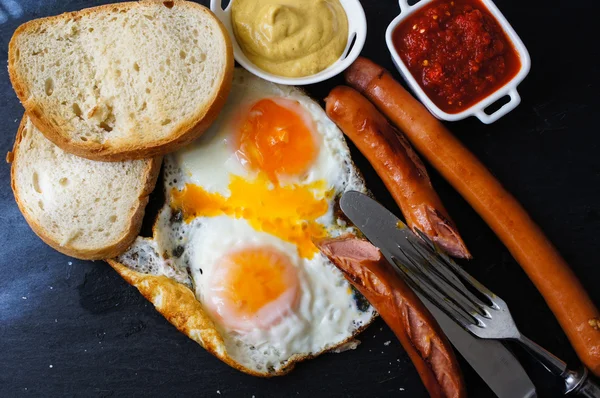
(291, 38)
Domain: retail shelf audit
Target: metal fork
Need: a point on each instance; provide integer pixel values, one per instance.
(473, 306)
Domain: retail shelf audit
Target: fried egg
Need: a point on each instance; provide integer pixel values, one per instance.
(244, 203)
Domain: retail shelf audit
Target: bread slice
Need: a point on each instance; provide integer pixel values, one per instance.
(82, 208)
(123, 81)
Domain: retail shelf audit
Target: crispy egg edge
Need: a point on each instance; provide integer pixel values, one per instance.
(178, 304)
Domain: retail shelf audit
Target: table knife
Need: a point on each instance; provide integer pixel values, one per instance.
(493, 362)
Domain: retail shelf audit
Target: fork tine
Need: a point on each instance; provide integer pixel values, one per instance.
(473, 328)
(474, 283)
(442, 259)
(440, 271)
(455, 312)
(431, 255)
(422, 283)
(452, 293)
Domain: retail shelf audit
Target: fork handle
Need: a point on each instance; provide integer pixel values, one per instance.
(575, 382)
(582, 384)
(550, 361)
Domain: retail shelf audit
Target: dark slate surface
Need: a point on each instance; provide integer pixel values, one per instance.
(74, 328)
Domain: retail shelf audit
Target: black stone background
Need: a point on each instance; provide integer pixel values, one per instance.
(74, 328)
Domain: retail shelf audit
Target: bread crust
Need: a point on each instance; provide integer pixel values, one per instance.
(150, 177)
(187, 131)
(178, 304)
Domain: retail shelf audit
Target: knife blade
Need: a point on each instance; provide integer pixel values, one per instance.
(493, 362)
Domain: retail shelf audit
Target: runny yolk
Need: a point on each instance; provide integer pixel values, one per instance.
(256, 277)
(275, 138)
(289, 212)
(253, 287)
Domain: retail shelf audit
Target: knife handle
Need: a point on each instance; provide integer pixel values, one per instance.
(576, 383)
(579, 383)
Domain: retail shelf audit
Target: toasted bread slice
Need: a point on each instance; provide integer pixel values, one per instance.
(82, 208)
(123, 81)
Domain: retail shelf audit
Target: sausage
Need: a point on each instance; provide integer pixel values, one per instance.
(401, 170)
(557, 283)
(365, 267)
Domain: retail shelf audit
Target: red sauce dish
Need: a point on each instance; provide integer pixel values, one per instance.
(459, 57)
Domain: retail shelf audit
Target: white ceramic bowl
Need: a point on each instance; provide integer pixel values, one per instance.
(477, 110)
(357, 34)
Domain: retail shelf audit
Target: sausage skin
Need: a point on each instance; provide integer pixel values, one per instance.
(365, 267)
(401, 170)
(550, 273)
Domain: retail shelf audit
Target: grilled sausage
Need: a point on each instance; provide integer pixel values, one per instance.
(365, 267)
(401, 170)
(552, 276)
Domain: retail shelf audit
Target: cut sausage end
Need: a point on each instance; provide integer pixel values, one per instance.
(367, 270)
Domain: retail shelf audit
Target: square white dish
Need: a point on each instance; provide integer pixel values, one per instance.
(477, 109)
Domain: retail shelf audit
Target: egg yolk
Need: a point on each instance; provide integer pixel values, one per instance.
(253, 288)
(274, 138)
(288, 212)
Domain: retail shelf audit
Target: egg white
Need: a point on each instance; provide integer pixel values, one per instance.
(325, 314)
(210, 161)
(328, 313)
